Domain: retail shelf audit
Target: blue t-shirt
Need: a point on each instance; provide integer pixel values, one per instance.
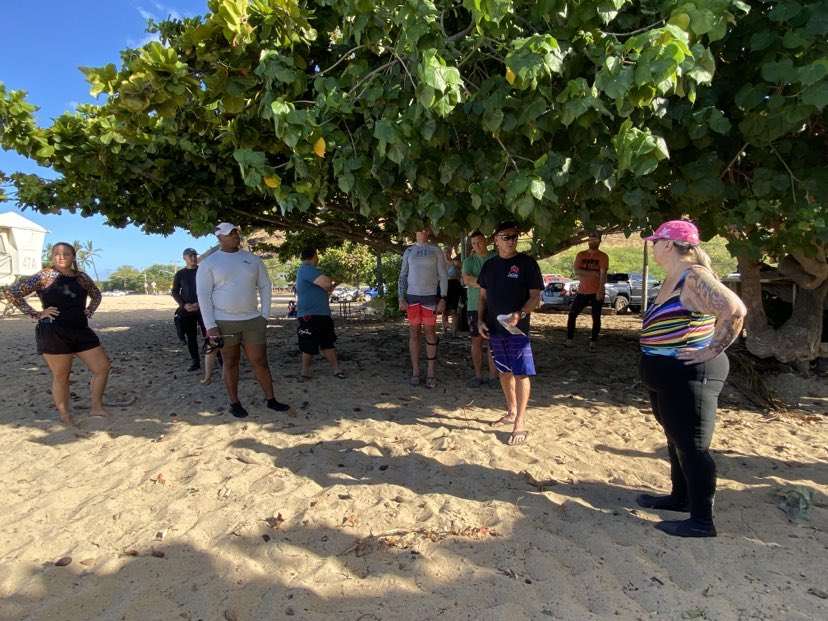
(311, 299)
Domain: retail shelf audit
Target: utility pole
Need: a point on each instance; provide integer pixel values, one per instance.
(645, 276)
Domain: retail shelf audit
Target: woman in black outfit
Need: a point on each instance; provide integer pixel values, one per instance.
(62, 330)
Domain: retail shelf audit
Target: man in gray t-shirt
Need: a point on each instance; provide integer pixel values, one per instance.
(423, 271)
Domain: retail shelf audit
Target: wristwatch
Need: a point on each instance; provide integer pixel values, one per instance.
(523, 314)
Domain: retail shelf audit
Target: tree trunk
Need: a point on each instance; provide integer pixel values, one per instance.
(799, 338)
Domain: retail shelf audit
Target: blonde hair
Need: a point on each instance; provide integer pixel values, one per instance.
(696, 254)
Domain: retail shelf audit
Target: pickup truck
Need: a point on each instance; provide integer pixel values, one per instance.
(623, 291)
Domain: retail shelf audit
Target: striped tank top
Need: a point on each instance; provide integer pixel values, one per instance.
(670, 326)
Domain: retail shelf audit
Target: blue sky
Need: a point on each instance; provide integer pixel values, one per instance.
(42, 46)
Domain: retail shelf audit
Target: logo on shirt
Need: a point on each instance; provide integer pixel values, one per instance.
(246, 261)
(514, 272)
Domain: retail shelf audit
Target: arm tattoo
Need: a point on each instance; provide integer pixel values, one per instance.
(707, 292)
(709, 296)
(727, 331)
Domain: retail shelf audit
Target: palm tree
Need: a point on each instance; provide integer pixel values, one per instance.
(85, 256)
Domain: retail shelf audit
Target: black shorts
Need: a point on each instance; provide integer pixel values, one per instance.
(315, 332)
(453, 296)
(56, 339)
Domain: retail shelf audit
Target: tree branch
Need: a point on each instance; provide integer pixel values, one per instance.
(634, 32)
(338, 230)
(733, 161)
(343, 57)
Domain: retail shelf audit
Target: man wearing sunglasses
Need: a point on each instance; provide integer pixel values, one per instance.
(510, 288)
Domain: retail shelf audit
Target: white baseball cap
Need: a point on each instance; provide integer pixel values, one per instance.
(225, 228)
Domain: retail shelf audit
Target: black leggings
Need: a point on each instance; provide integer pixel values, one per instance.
(581, 301)
(684, 400)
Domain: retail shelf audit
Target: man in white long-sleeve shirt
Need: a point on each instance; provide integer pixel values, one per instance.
(423, 270)
(229, 283)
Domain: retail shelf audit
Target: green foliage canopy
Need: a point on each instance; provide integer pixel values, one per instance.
(361, 119)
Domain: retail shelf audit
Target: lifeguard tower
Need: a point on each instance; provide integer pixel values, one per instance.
(21, 248)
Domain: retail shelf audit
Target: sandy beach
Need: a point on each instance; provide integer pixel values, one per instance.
(379, 501)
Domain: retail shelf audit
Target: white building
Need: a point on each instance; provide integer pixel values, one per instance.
(21, 247)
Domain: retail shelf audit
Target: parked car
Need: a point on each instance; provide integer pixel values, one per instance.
(558, 295)
(624, 291)
(344, 293)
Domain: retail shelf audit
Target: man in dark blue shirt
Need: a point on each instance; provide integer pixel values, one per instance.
(188, 315)
(316, 327)
(510, 287)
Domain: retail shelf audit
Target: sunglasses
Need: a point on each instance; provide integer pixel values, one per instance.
(210, 345)
(511, 237)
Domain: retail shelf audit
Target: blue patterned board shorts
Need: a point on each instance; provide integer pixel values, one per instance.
(512, 354)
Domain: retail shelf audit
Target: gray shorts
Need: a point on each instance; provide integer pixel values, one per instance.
(249, 331)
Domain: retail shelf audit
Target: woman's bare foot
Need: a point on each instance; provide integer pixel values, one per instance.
(100, 411)
(207, 380)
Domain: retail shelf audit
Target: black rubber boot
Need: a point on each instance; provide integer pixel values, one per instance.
(662, 503)
(687, 528)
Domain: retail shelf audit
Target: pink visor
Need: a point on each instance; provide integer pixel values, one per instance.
(677, 230)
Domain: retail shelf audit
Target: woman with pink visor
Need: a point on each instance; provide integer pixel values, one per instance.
(684, 336)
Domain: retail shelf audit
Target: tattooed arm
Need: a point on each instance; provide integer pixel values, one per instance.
(703, 293)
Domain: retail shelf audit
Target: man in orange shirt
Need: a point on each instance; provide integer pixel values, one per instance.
(590, 268)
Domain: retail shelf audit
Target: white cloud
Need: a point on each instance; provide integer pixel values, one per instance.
(167, 11)
(150, 36)
(146, 14)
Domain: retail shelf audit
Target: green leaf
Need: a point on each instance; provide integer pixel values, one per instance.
(816, 95)
(524, 206)
(762, 40)
(492, 120)
(537, 188)
(780, 71)
(784, 11)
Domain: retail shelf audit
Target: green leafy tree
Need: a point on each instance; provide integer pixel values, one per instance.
(125, 278)
(361, 120)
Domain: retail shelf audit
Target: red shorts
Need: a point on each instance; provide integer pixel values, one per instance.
(421, 315)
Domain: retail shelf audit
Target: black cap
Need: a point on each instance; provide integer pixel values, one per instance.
(190, 251)
(506, 225)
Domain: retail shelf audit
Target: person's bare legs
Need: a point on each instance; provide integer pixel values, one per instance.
(231, 354)
(330, 356)
(414, 348)
(430, 333)
(507, 383)
(98, 363)
(61, 367)
(492, 369)
(209, 364)
(523, 387)
(477, 356)
(307, 361)
(257, 355)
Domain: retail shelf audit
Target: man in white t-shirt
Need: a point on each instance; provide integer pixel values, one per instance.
(228, 283)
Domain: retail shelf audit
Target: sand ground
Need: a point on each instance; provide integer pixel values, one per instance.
(382, 501)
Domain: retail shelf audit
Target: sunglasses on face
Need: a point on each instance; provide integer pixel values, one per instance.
(511, 237)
